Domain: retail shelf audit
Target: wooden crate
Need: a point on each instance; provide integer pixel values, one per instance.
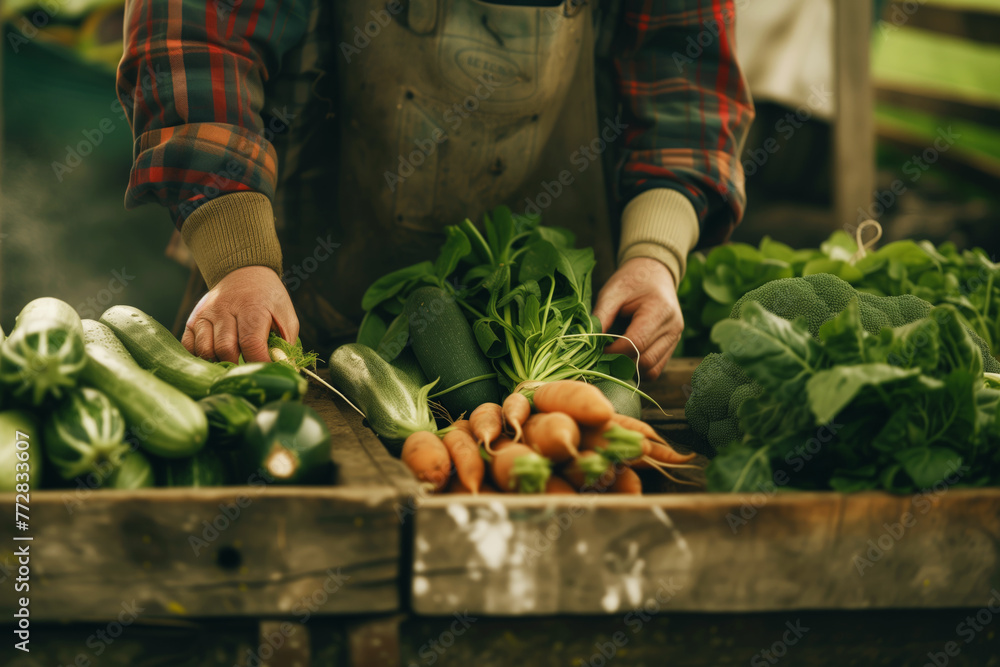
(606, 554)
(249, 551)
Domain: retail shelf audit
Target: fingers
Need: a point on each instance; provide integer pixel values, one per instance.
(204, 339)
(253, 331)
(659, 353)
(227, 346)
(643, 330)
(609, 302)
(286, 321)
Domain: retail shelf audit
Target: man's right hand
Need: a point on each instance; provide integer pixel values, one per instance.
(238, 314)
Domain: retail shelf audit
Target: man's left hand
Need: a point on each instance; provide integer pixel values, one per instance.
(642, 288)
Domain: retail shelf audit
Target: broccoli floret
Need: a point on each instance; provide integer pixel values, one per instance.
(719, 385)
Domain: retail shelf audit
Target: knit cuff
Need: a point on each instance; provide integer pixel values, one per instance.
(230, 232)
(661, 224)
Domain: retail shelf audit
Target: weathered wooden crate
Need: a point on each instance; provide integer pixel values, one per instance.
(248, 551)
(607, 554)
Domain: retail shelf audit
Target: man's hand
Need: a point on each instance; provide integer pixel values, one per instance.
(237, 315)
(643, 289)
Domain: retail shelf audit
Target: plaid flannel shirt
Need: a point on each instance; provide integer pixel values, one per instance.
(195, 77)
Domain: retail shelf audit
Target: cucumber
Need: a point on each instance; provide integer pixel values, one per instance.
(289, 442)
(626, 401)
(165, 421)
(44, 353)
(83, 433)
(20, 464)
(228, 418)
(262, 383)
(134, 472)
(447, 349)
(393, 403)
(206, 468)
(407, 364)
(154, 348)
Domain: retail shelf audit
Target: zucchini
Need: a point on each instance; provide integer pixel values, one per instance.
(262, 382)
(289, 442)
(626, 401)
(206, 468)
(447, 349)
(165, 421)
(83, 432)
(16, 466)
(394, 405)
(407, 364)
(134, 472)
(154, 348)
(44, 353)
(228, 418)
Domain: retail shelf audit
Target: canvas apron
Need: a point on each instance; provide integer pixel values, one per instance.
(450, 109)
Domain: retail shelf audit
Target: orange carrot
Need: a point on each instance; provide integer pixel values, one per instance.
(557, 486)
(583, 402)
(469, 465)
(516, 410)
(554, 435)
(654, 452)
(613, 441)
(634, 424)
(464, 425)
(428, 458)
(589, 471)
(627, 481)
(486, 423)
(519, 468)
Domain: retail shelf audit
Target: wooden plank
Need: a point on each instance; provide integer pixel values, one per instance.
(965, 23)
(723, 552)
(239, 551)
(854, 126)
(253, 550)
(672, 388)
(657, 636)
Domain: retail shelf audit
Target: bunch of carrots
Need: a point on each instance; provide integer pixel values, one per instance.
(565, 438)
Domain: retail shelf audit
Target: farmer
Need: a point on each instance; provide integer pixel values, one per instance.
(304, 148)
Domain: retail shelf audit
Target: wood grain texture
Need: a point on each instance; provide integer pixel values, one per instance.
(711, 552)
(253, 550)
(659, 637)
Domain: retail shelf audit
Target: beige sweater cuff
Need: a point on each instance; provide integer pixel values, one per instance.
(661, 224)
(231, 232)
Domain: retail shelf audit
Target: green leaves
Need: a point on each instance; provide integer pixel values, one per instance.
(907, 407)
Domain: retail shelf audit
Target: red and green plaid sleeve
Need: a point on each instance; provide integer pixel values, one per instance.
(687, 107)
(192, 81)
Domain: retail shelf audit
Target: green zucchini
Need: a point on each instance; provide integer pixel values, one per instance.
(154, 348)
(228, 418)
(20, 464)
(407, 364)
(206, 468)
(626, 401)
(262, 383)
(394, 405)
(163, 420)
(289, 442)
(447, 349)
(134, 472)
(44, 352)
(84, 431)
